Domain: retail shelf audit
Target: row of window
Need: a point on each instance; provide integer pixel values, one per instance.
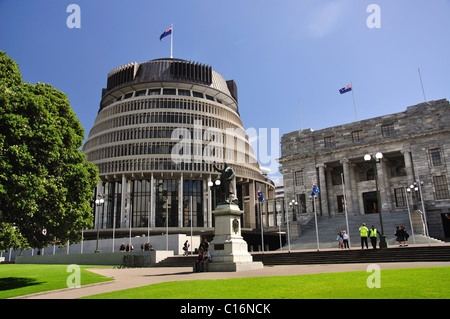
(167, 91)
(358, 136)
(161, 118)
(155, 132)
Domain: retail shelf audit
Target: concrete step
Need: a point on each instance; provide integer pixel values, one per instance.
(404, 254)
(329, 227)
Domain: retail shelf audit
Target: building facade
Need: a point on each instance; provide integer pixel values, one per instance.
(162, 129)
(415, 145)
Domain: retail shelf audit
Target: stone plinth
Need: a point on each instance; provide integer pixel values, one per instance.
(229, 250)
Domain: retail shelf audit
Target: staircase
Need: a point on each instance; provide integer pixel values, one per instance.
(329, 227)
(404, 254)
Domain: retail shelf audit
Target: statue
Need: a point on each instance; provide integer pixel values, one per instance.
(226, 188)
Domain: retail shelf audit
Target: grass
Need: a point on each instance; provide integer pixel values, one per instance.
(18, 280)
(415, 283)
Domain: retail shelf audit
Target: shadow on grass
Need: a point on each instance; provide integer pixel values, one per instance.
(9, 283)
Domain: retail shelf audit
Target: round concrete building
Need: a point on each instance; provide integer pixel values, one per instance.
(162, 128)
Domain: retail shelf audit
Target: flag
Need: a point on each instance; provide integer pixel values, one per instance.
(315, 190)
(166, 33)
(348, 88)
(260, 197)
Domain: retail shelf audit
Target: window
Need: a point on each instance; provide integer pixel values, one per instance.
(299, 178)
(169, 92)
(197, 94)
(341, 203)
(128, 95)
(184, 92)
(209, 97)
(435, 157)
(154, 92)
(329, 141)
(140, 93)
(357, 136)
(400, 199)
(441, 187)
(387, 130)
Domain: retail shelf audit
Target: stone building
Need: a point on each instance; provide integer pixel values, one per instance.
(161, 128)
(415, 145)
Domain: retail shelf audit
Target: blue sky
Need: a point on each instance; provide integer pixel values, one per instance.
(278, 52)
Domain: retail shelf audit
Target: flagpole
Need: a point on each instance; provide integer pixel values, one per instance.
(354, 103)
(171, 43)
(421, 83)
(300, 112)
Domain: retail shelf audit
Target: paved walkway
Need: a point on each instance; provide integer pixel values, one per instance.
(137, 277)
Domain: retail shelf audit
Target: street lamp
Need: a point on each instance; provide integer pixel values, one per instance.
(377, 159)
(98, 202)
(417, 187)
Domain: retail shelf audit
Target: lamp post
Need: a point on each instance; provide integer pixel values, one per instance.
(98, 202)
(408, 190)
(377, 159)
(417, 187)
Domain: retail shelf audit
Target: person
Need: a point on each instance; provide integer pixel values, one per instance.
(363, 231)
(404, 236)
(373, 236)
(399, 236)
(198, 262)
(206, 260)
(204, 245)
(345, 239)
(340, 239)
(122, 247)
(186, 248)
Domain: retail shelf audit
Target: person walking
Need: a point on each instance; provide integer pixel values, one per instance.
(373, 236)
(345, 239)
(399, 235)
(363, 231)
(340, 239)
(186, 248)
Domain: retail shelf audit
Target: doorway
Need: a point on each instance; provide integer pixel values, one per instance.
(370, 203)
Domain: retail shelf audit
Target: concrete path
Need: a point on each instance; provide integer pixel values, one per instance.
(137, 277)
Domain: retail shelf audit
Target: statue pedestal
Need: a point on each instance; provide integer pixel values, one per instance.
(228, 249)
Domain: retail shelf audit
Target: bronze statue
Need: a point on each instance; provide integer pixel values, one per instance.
(226, 188)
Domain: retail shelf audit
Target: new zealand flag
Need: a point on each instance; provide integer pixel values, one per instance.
(348, 88)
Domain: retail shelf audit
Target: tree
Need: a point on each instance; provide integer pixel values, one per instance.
(46, 186)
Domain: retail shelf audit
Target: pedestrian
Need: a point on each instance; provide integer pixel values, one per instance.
(340, 239)
(363, 231)
(373, 236)
(206, 260)
(122, 247)
(345, 239)
(198, 263)
(399, 236)
(204, 245)
(404, 235)
(186, 248)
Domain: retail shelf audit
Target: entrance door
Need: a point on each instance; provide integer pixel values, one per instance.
(370, 203)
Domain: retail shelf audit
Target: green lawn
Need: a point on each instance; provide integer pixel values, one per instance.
(18, 280)
(395, 284)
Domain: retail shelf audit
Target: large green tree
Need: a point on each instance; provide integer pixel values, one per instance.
(46, 186)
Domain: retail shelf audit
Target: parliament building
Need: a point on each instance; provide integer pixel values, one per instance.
(413, 148)
(162, 127)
